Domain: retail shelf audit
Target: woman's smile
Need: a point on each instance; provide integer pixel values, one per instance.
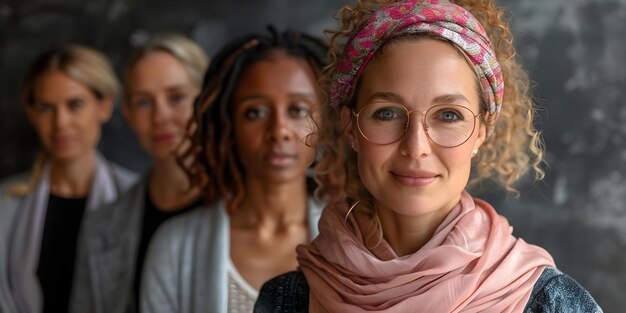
(416, 178)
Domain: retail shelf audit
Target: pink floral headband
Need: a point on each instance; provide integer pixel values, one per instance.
(439, 18)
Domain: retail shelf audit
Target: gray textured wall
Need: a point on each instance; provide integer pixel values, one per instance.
(574, 50)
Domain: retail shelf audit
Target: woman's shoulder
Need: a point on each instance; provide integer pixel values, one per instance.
(287, 293)
(125, 177)
(10, 181)
(121, 215)
(9, 205)
(555, 291)
(190, 226)
(182, 249)
(9, 201)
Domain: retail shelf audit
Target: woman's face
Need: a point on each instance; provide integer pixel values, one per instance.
(272, 107)
(67, 116)
(413, 176)
(159, 103)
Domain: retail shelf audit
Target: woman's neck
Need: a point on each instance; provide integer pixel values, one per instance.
(169, 187)
(265, 229)
(407, 234)
(72, 179)
(271, 206)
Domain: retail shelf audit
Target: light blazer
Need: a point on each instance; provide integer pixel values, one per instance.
(21, 227)
(186, 265)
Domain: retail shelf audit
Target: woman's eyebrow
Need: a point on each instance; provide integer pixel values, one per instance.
(311, 95)
(389, 96)
(450, 98)
(251, 97)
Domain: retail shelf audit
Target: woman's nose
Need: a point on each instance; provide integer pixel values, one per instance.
(280, 128)
(160, 110)
(61, 118)
(415, 142)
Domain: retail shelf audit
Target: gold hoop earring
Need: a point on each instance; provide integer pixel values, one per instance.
(345, 218)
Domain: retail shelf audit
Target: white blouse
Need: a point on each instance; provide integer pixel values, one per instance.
(241, 296)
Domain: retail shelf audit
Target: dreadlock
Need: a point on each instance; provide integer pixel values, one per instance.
(210, 160)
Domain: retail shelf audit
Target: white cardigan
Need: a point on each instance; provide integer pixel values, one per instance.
(186, 266)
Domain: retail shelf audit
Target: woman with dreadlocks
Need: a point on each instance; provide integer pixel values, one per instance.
(420, 98)
(248, 154)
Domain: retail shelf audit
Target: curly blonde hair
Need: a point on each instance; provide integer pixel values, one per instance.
(507, 155)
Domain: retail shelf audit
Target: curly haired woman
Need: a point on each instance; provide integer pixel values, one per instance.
(423, 96)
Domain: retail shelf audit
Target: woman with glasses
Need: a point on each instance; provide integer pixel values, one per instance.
(423, 105)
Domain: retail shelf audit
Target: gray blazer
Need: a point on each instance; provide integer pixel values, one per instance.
(186, 267)
(107, 254)
(21, 228)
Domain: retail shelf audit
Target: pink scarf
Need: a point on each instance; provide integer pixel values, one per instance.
(472, 264)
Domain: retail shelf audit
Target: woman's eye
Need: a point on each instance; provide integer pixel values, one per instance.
(42, 107)
(299, 111)
(176, 98)
(255, 113)
(450, 116)
(142, 103)
(76, 104)
(386, 114)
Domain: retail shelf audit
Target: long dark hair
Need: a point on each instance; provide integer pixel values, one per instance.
(210, 161)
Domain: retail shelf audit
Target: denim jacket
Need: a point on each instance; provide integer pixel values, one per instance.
(553, 292)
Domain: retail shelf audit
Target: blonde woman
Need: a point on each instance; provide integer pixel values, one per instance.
(68, 94)
(162, 80)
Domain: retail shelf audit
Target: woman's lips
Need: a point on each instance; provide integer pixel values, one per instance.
(415, 179)
(62, 141)
(280, 159)
(165, 138)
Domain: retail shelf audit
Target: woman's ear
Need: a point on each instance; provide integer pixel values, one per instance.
(348, 128)
(106, 109)
(482, 136)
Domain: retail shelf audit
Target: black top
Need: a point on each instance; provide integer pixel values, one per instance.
(58, 251)
(153, 217)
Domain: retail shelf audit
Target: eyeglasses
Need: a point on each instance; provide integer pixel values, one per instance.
(446, 125)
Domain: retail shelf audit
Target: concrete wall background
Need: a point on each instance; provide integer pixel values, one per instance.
(574, 50)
